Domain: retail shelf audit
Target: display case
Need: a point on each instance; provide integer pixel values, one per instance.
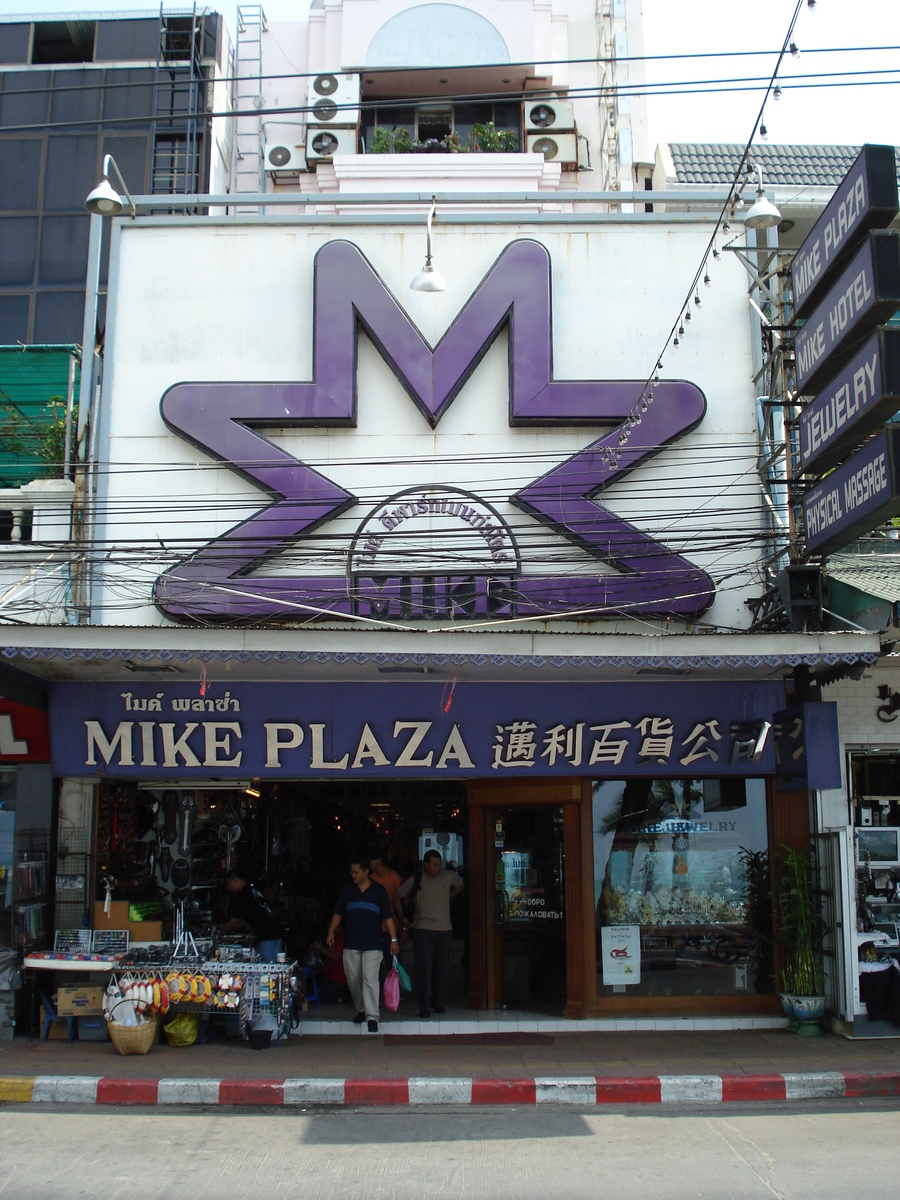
(7, 855)
(72, 909)
(682, 887)
(31, 918)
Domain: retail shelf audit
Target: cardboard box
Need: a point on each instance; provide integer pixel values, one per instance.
(117, 918)
(59, 1029)
(79, 1001)
(145, 931)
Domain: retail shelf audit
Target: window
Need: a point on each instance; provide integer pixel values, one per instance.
(434, 121)
(71, 172)
(14, 319)
(64, 249)
(128, 95)
(684, 866)
(76, 96)
(20, 169)
(59, 316)
(63, 42)
(14, 43)
(24, 98)
(18, 244)
(127, 41)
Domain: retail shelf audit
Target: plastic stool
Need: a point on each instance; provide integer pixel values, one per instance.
(312, 988)
(50, 1014)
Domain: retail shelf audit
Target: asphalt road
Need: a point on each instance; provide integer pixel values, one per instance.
(817, 1150)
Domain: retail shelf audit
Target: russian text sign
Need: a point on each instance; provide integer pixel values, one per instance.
(855, 498)
(407, 730)
(867, 291)
(855, 402)
(866, 198)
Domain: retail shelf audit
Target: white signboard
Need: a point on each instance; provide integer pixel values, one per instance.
(620, 947)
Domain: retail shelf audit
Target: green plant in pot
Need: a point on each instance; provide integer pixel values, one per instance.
(800, 930)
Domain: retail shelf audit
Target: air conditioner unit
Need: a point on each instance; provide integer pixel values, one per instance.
(323, 144)
(282, 159)
(556, 147)
(333, 100)
(552, 114)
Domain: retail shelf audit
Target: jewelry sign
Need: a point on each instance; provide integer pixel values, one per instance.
(855, 402)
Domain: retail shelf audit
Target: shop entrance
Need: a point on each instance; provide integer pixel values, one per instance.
(527, 910)
(161, 845)
(531, 942)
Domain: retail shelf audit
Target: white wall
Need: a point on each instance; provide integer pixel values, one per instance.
(247, 315)
(336, 37)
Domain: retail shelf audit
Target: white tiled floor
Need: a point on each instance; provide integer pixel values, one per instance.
(332, 1021)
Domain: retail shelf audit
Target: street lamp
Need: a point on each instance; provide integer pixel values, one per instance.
(428, 279)
(104, 200)
(762, 214)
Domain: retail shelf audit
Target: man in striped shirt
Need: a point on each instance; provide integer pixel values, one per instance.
(363, 905)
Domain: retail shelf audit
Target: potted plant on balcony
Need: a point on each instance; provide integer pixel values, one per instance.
(390, 141)
(799, 934)
(487, 139)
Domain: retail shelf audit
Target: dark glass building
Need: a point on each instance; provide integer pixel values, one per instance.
(72, 91)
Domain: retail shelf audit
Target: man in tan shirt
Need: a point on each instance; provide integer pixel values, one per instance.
(432, 928)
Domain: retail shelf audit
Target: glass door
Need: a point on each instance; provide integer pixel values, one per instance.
(527, 908)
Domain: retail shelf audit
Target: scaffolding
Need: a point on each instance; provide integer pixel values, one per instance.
(248, 173)
(778, 450)
(178, 106)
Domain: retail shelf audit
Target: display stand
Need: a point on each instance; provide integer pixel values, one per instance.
(185, 946)
(265, 987)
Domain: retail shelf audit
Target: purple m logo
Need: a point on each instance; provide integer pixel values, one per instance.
(229, 419)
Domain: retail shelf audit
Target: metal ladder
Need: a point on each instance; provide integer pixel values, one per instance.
(248, 172)
(178, 94)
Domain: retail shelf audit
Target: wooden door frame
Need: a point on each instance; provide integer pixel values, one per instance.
(484, 795)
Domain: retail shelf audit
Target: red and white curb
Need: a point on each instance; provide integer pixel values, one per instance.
(417, 1091)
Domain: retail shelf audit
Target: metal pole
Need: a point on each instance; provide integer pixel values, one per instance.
(89, 332)
(70, 405)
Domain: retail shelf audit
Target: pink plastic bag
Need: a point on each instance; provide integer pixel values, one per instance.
(391, 991)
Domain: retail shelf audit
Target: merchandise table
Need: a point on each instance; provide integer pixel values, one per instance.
(207, 987)
(50, 960)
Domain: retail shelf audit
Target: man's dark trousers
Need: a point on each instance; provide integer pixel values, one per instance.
(432, 948)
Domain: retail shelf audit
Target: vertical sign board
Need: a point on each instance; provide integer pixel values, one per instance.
(807, 747)
(855, 402)
(866, 198)
(856, 497)
(866, 292)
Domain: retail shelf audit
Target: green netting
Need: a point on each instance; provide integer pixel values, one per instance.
(34, 381)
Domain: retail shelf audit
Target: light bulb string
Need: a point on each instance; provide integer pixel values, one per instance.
(677, 333)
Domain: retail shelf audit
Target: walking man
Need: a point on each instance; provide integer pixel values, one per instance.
(433, 888)
(363, 905)
(390, 881)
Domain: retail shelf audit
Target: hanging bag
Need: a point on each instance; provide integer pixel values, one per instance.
(405, 982)
(391, 990)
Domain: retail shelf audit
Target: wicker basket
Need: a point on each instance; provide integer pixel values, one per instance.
(133, 1039)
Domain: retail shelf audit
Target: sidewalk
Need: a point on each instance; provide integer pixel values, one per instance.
(681, 1065)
